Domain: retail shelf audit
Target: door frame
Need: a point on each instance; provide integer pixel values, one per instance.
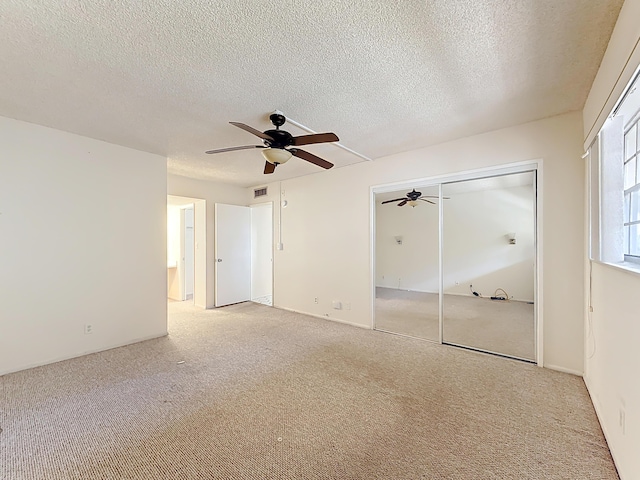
(200, 243)
(496, 170)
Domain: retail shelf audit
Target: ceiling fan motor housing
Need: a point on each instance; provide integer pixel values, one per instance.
(280, 138)
(277, 119)
(413, 195)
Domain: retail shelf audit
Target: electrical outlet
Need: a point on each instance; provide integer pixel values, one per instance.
(88, 329)
(457, 282)
(315, 300)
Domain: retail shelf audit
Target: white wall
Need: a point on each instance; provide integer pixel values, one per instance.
(612, 362)
(476, 250)
(82, 241)
(612, 356)
(326, 226)
(212, 193)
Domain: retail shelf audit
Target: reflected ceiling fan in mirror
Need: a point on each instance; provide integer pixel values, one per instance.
(279, 145)
(412, 199)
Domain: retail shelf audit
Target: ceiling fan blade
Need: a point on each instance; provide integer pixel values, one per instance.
(425, 200)
(433, 196)
(231, 149)
(269, 167)
(315, 138)
(249, 129)
(310, 157)
(394, 200)
(404, 202)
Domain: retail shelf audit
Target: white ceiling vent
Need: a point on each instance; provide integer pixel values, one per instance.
(259, 192)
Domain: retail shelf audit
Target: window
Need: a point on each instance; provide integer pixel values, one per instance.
(615, 183)
(631, 214)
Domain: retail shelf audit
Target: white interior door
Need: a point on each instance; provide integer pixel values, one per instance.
(233, 254)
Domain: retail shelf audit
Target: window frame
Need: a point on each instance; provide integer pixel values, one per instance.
(608, 207)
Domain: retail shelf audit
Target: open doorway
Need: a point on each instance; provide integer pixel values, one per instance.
(457, 264)
(186, 246)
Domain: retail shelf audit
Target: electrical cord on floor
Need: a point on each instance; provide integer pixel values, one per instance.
(474, 293)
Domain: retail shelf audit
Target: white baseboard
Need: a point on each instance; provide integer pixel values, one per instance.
(81, 354)
(563, 370)
(598, 409)
(324, 317)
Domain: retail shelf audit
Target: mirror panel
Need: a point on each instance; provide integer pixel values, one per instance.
(489, 264)
(407, 263)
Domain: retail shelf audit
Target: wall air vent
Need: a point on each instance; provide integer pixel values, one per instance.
(259, 192)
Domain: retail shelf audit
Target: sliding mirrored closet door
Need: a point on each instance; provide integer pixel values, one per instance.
(489, 264)
(407, 262)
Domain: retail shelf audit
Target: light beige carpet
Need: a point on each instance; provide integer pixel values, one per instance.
(503, 327)
(265, 393)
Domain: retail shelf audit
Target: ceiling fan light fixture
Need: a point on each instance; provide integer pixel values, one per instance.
(413, 203)
(277, 156)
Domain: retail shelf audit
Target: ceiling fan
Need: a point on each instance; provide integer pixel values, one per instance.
(412, 199)
(277, 144)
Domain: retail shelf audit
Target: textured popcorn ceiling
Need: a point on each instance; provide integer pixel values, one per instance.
(385, 76)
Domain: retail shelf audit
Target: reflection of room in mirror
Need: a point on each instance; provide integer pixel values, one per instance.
(488, 251)
(407, 263)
